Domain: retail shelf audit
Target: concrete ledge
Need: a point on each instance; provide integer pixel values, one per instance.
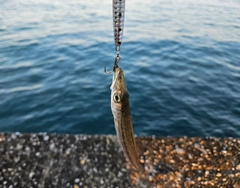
(50, 160)
(190, 162)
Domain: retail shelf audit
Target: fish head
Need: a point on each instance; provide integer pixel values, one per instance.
(119, 96)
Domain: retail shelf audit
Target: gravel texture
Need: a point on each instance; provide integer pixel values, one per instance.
(188, 162)
(50, 160)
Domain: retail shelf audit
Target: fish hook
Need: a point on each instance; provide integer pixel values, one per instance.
(107, 72)
(117, 59)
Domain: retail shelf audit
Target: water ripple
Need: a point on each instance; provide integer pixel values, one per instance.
(19, 89)
(180, 59)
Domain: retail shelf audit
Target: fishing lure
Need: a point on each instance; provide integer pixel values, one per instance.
(118, 7)
(118, 22)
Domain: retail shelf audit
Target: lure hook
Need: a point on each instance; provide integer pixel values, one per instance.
(107, 72)
(117, 59)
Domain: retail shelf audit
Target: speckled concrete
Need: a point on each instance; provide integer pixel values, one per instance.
(189, 162)
(49, 160)
(43, 160)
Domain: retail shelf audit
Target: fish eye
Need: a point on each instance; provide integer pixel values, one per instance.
(117, 98)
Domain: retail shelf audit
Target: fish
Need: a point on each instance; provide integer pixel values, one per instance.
(118, 7)
(120, 107)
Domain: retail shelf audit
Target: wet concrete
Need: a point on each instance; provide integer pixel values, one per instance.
(50, 160)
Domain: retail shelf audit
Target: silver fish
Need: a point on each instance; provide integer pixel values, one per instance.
(118, 22)
(122, 118)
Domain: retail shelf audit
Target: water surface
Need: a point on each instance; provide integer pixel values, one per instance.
(181, 61)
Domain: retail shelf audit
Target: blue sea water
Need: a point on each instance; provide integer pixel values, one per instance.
(181, 60)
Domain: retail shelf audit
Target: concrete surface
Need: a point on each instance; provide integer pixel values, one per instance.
(51, 160)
